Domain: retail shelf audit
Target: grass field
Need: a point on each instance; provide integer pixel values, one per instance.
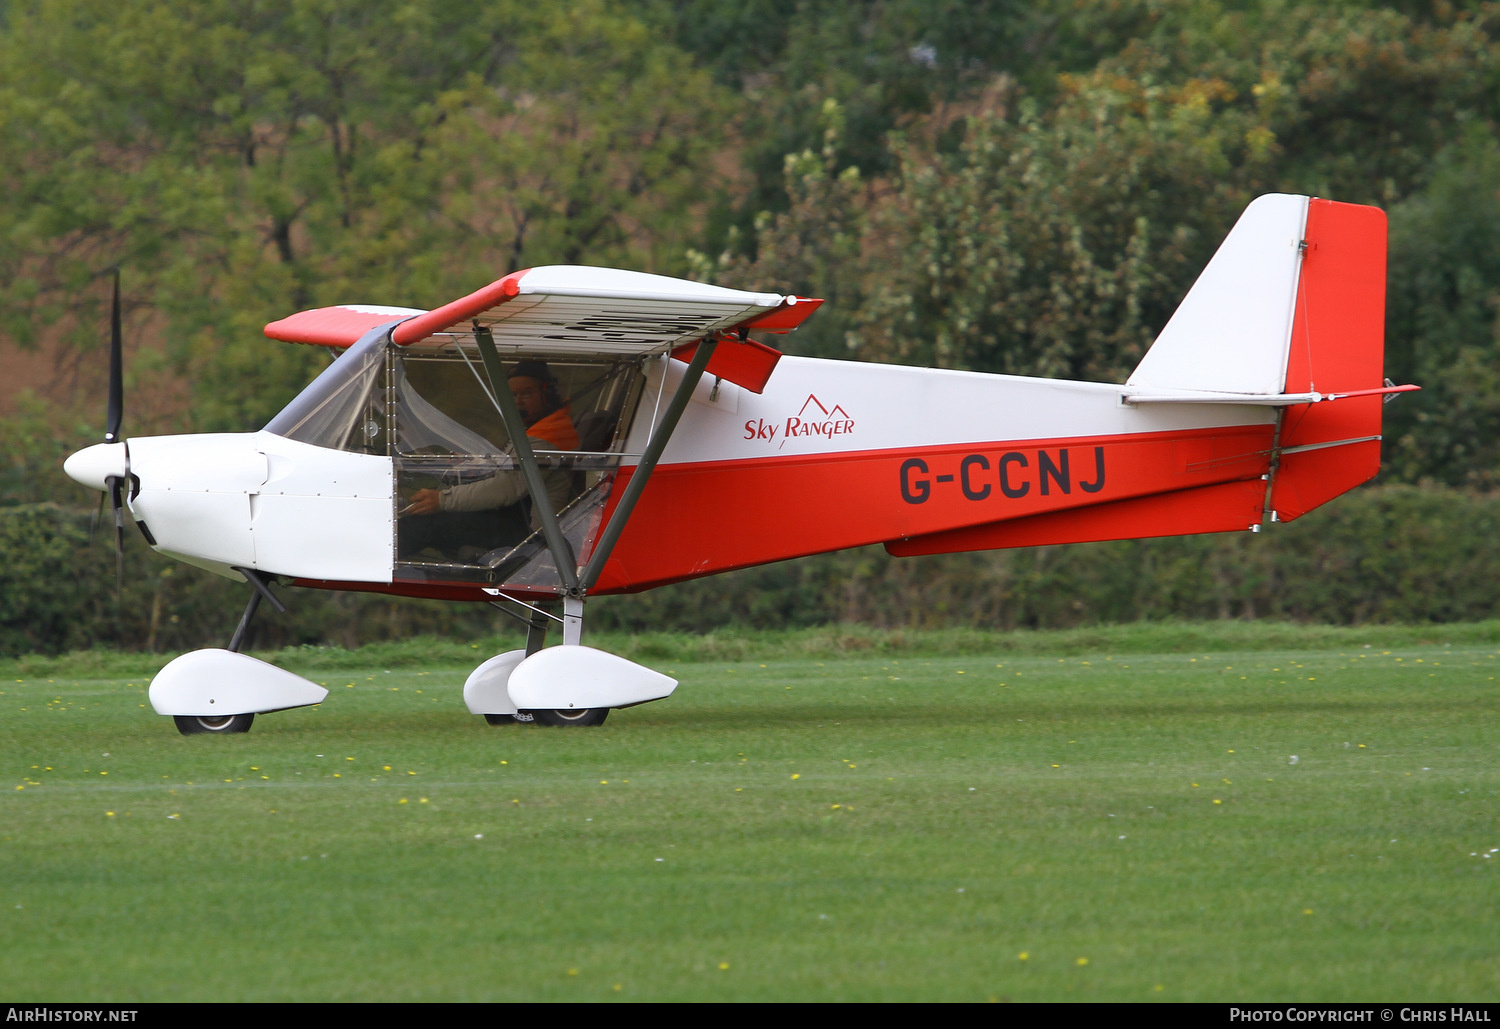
(1274, 814)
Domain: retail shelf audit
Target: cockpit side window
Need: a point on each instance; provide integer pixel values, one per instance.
(442, 406)
(342, 408)
(464, 512)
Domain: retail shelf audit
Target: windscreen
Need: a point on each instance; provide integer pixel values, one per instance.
(341, 408)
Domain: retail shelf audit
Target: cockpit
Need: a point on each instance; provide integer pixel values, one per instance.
(463, 511)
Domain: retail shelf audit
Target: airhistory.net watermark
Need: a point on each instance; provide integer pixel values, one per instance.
(57, 1013)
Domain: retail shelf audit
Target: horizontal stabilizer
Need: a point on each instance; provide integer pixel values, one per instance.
(1256, 399)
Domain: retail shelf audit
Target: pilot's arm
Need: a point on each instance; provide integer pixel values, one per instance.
(500, 490)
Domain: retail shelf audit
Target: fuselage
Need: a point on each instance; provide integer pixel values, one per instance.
(832, 454)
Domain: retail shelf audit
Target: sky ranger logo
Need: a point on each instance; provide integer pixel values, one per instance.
(815, 419)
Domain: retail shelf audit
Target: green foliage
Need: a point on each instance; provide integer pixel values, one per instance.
(1054, 249)
(1056, 238)
(879, 62)
(1444, 321)
(35, 446)
(39, 598)
(241, 162)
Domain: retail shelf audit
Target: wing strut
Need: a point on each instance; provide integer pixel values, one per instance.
(654, 448)
(557, 543)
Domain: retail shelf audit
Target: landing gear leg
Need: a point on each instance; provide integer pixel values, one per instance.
(259, 589)
(536, 632)
(572, 636)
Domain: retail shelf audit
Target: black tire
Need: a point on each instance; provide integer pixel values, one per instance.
(569, 717)
(215, 725)
(521, 718)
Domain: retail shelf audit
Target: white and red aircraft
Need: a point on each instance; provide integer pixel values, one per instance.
(568, 432)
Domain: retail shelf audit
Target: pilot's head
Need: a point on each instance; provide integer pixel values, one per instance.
(536, 390)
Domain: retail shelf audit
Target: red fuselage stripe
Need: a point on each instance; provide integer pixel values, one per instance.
(698, 519)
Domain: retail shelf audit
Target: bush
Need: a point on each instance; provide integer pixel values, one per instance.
(1392, 554)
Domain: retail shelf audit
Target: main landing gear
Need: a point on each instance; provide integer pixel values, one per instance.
(569, 685)
(536, 637)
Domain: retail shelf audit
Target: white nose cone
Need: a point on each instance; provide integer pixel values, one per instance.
(92, 465)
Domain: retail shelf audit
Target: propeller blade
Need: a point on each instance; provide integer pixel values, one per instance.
(94, 521)
(117, 502)
(116, 485)
(116, 369)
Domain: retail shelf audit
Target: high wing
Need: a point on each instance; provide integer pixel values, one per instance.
(572, 309)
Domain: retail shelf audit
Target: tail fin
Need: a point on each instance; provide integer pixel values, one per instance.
(1293, 304)
(1231, 332)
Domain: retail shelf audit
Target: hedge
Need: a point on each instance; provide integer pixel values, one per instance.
(1389, 554)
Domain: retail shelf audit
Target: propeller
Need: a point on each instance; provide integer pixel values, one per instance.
(117, 483)
(106, 466)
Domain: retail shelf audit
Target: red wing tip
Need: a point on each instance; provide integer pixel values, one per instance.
(337, 326)
(792, 313)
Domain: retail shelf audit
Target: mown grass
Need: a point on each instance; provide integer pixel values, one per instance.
(1113, 822)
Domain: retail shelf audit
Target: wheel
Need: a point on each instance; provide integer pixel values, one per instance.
(582, 716)
(193, 725)
(522, 718)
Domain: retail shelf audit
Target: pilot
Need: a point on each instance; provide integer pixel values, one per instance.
(548, 427)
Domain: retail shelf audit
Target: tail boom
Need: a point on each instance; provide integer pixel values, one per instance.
(1226, 423)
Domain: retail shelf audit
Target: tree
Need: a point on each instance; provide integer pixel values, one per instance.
(243, 161)
(1444, 322)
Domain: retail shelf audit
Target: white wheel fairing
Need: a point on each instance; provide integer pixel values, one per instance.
(577, 677)
(485, 692)
(219, 683)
